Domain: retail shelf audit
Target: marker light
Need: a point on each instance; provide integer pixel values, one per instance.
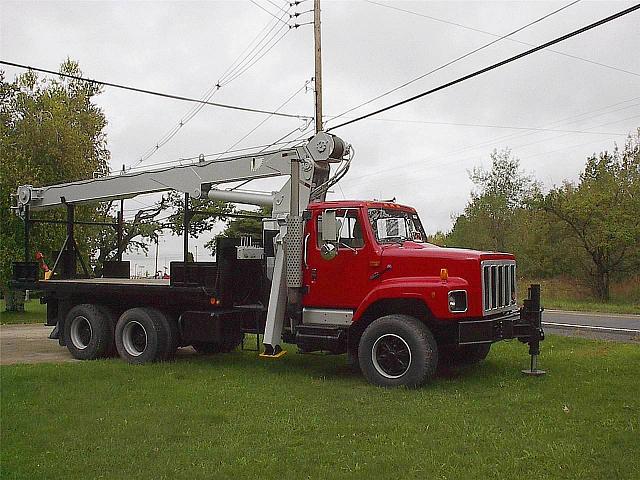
(444, 274)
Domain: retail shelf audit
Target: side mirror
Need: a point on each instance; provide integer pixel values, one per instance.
(328, 251)
(329, 226)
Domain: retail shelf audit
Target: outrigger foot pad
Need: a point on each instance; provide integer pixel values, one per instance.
(533, 370)
(272, 352)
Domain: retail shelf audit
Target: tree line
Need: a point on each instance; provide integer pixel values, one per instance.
(588, 230)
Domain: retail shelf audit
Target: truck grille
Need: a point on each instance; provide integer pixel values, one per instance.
(498, 286)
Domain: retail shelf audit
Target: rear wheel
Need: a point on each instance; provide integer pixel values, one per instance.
(173, 334)
(141, 336)
(397, 350)
(88, 332)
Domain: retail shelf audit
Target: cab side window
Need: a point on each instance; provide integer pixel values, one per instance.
(349, 229)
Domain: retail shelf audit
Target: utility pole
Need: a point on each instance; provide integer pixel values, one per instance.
(318, 70)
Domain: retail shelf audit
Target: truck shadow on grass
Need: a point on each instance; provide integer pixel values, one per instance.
(320, 366)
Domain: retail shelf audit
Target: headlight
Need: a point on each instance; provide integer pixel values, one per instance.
(457, 301)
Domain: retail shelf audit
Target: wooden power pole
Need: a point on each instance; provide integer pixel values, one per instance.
(318, 70)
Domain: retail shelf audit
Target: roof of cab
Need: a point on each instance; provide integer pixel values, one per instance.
(358, 204)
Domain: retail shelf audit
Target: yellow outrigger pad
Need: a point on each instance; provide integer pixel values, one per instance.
(280, 354)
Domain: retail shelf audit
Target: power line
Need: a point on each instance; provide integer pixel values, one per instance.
(566, 120)
(484, 125)
(457, 59)
(270, 13)
(304, 87)
(278, 7)
(167, 137)
(428, 163)
(244, 55)
(152, 92)
(495, 65)
(436, 19)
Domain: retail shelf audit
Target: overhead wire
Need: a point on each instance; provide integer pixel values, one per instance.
(151, 92)
(457, 59)
(495, 65)
(429, 161)
(282, 105)
(484, 125)
(211, 91)
(566, 120)
(270, 13)
(485, 32)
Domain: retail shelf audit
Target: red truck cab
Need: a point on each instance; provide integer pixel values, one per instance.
(381, 266)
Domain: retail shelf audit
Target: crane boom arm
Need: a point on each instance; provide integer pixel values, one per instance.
(195, 179)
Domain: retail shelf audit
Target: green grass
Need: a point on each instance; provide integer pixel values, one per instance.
(34, 312)
(233, 416)
(567, 294)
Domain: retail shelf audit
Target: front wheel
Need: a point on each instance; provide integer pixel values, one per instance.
(397, 350)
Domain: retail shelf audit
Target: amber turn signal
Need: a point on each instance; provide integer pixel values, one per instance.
(444, 274)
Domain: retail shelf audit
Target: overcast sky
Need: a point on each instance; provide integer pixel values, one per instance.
(419, 153)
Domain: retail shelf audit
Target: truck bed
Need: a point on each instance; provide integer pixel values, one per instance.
(109, 281)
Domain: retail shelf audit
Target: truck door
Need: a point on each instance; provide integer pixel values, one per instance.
(343, 281)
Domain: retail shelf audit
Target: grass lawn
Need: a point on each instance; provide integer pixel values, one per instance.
(34, 312)
(567, 294)
(309, 416)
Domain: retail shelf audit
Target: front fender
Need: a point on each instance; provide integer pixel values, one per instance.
(430, 290)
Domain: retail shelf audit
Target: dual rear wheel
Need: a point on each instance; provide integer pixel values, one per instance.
(140, 335)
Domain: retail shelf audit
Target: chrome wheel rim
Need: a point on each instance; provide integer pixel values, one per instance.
(134, 338)
(81, 332)
(391, 356)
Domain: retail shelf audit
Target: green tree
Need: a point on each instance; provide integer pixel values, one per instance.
(51, 131)
(242, 227)
(602, 214)
(487, 220)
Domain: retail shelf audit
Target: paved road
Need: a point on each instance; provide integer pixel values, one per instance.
(609, 326)
(30, 344)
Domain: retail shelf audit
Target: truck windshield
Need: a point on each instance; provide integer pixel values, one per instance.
(392, 225)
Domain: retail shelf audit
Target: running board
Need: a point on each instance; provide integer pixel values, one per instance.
(313, 338)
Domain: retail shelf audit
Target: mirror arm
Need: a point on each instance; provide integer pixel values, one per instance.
(349, 247)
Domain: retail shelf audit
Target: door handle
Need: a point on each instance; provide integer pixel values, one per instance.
(377, 275)
(304, 253)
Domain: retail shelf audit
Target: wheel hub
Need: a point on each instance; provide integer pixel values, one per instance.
(81, 332)
(134, 338)
(391, 356)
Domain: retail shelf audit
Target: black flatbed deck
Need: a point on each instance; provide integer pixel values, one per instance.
(109, 281)
(128, 292)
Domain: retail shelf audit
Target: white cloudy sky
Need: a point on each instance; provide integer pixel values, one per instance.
(422, 156)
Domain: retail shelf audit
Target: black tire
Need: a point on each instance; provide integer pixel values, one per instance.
(141, 336)
(173, 334)
(397, 350)
(88, 332)
(112, 318)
